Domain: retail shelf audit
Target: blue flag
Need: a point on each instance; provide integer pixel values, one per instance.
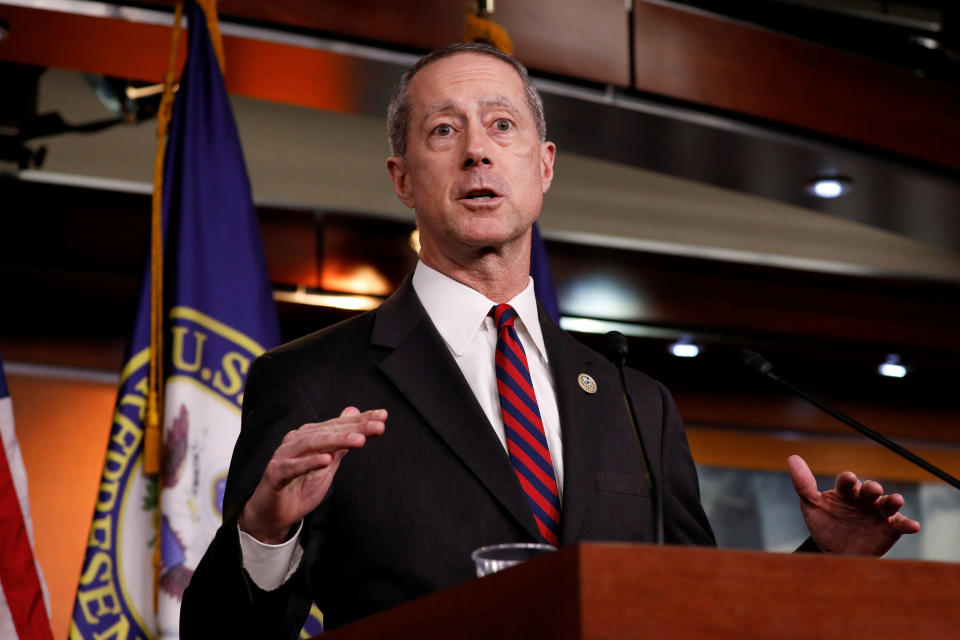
(219, 315)
(540, 272)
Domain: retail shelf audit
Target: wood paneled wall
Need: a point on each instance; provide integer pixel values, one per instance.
(680, 54)
(729, 65)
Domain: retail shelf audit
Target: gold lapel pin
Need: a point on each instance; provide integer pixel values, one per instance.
(587, 383)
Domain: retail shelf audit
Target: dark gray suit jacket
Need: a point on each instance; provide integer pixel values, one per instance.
(404, 512)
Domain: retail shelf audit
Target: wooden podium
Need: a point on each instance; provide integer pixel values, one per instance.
(620, 591)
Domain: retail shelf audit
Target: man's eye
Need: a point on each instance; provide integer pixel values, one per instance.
(503, 124)
(443, 130)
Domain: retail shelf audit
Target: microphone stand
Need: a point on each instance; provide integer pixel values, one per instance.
(760, 365)
(616, 349)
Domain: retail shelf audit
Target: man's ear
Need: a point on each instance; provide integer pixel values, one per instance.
(397, 167)
(548, 152)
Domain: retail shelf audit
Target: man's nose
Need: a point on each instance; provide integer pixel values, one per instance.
(471, 160)
(475, 152)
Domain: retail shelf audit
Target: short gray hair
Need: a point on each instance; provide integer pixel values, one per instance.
(398, 113)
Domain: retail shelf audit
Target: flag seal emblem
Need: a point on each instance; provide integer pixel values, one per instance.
(206, 369)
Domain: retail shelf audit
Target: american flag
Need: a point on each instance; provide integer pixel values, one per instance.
(24, 610)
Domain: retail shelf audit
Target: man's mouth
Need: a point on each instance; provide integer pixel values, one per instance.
(480, 195)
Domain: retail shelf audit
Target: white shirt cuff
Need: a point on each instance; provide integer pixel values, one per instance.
(270, 565)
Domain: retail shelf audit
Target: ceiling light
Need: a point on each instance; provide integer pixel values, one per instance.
(892, 367)
(684, 348)
(600, 294)
(592, 325)
(829, 186)
(925, 42)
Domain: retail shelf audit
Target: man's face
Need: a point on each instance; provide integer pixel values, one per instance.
(474, 171)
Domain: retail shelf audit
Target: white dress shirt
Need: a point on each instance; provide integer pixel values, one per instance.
(462, 317)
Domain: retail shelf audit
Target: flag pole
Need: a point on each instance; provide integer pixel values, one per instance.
(213, 26)
(153, 442)
(164, 520)
(153, 434)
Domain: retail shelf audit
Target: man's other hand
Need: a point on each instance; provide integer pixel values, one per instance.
(299, 474)
(853, 518)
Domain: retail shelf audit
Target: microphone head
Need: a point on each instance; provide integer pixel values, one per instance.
(755, 361)
(615, 348)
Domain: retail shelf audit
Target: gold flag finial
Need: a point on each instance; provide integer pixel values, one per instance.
(478, 27)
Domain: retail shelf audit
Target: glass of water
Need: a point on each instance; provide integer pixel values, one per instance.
(500, 556)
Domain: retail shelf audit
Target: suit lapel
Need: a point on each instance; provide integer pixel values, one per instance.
(581, 422)
(584, 419)
(423, 370)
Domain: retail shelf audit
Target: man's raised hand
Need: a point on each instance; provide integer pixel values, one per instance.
(853, 518)
(299, 474)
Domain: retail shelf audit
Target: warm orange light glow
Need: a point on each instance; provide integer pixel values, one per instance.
(334, 300)
(362, 279)
(415, 241)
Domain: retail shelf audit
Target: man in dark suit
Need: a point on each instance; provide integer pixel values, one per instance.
(438, 464)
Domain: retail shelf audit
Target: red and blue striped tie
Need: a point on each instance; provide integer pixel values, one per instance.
(526, 441)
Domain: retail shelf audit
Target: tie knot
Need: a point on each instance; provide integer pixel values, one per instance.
(503, 315)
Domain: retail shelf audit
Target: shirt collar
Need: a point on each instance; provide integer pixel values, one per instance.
(459, 312)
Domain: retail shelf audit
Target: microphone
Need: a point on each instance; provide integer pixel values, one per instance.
(759, 364)
(615, 348)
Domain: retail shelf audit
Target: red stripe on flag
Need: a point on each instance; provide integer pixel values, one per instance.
(548, 481)
(18, 573)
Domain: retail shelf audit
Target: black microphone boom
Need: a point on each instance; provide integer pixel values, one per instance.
(616, 348)
(753, 360)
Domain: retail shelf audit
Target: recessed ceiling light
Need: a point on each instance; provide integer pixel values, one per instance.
(684, 348)
(829, 186)
(925, 42)
(892, 367)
